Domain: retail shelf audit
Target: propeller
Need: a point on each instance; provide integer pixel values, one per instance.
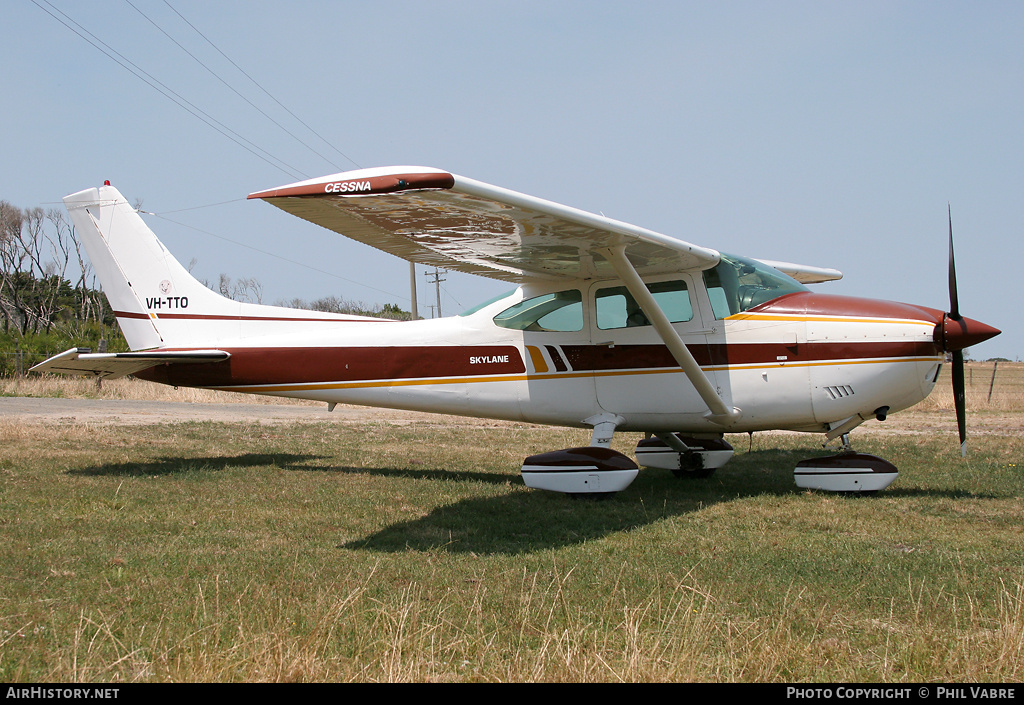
(954, 333)
(959, 390)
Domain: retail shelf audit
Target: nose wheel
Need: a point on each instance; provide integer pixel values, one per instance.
(847, 471)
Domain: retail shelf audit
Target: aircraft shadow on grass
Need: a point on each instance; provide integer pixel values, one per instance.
(542, 520)
(181, 465)
(522, 522)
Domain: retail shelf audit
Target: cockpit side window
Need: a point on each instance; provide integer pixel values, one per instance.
(561, 311)
(616, 307)
(737, 284)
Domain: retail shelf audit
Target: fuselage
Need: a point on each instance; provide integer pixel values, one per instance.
(613, 327)
(801, 361)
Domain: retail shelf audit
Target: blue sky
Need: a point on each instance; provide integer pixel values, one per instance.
(831, 134)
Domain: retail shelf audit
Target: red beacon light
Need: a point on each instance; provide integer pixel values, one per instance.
(106, 182)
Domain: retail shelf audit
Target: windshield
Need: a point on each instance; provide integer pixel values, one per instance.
(738, 284)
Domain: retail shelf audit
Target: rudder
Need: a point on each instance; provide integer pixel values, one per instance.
(141, 279)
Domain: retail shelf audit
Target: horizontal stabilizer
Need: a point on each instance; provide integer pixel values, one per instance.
(82, 361)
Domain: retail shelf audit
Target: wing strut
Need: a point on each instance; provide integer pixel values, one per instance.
(720, 413)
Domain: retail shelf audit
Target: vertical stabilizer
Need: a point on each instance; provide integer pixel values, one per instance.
(147, 288)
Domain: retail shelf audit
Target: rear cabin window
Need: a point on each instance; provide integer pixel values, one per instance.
(616, 307)
(559, 312)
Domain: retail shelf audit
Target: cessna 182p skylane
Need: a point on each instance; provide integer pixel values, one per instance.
(612, 327)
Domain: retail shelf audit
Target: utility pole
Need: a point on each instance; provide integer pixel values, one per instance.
(437, 288)
(412, 285)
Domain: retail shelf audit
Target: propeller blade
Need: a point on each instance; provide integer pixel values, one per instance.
(954, 304)
(959, 391)
(960, 399)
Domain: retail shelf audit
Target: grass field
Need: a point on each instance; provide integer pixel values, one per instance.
(377, 552)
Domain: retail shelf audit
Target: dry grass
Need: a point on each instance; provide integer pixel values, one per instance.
(420, 634)
(412, 636)
(317, 552)
(129, 388)
(990, 387)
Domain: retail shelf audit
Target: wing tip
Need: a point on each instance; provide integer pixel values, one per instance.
(803, 273)
(364, 182)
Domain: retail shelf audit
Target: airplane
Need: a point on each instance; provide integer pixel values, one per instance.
(610, 327)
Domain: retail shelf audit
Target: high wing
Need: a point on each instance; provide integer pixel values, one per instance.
(439, 219)
(804, 274)
(82, 361)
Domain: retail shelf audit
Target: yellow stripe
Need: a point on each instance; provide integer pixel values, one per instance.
(558, 375)
(370, 385)
(537, 357)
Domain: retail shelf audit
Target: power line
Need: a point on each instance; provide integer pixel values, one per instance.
(275, 256)
(269, 95)
(195, 208)
(208, 119)
(166, 91)
(226, 84)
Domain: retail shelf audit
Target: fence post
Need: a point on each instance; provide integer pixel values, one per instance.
(100, 347)
(992, 384)
(19, 364)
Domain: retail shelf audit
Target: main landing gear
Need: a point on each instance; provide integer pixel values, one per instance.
(686, 456)
(592, 470)
(599, 470)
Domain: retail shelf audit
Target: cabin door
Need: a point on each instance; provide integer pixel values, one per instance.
(634, 371)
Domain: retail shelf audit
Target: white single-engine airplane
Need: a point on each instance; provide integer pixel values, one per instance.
(612, 327)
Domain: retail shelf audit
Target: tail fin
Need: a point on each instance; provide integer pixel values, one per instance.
(141, 279)
(158, 304)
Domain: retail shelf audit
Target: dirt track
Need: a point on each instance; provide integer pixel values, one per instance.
(129, 412)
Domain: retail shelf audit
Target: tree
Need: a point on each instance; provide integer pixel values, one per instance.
(249, 289)
(336, 304)
(10, 232)
(38, 252)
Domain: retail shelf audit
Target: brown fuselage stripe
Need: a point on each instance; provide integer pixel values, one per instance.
(603, 357)
(291, 366)
(262, 366)
(556, 358)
